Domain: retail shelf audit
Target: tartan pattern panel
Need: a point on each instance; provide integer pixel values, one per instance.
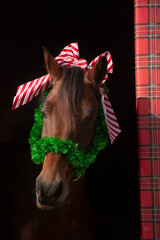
(147, 72)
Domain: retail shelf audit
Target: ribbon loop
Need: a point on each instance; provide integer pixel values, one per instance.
(69, 56)
(109, 63)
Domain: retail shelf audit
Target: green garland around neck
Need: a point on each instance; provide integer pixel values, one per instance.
(80, 160)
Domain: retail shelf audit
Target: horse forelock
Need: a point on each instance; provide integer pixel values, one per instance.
(70, 94)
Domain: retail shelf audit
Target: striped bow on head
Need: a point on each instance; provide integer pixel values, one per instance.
(69, 56)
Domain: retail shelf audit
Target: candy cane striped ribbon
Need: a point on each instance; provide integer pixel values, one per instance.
(27, 91)
(112, 123)
(69, 56)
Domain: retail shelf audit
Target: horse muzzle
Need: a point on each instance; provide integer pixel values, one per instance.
(48, 196)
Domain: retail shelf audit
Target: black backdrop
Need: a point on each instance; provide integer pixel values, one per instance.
(97, 26)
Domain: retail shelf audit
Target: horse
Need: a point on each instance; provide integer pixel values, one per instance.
(69, 112)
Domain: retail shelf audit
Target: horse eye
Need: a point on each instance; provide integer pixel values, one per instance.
(90, 120)
(44, 114)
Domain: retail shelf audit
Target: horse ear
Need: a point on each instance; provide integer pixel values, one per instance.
(97, 73)
(52, 66)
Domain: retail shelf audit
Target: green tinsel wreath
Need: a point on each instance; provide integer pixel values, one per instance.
(80, 160)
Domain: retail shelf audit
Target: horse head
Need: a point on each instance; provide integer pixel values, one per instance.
(69, 112)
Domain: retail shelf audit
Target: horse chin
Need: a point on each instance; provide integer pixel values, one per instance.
(47, 207)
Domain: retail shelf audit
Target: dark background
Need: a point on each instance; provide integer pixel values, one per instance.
(97, 26)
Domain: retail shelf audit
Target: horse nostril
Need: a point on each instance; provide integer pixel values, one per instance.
(40, 189)
(57, 190)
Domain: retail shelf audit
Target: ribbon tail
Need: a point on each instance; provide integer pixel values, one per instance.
(111, 120)
(26, 92)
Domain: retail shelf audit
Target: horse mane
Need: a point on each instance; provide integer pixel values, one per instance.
(70, 94)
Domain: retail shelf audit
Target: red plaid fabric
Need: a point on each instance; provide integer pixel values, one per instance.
(147, 62)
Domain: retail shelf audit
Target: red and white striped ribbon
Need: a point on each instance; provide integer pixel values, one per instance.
(27, 91)
(112, 123)
(69, 56)
(109, 63)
